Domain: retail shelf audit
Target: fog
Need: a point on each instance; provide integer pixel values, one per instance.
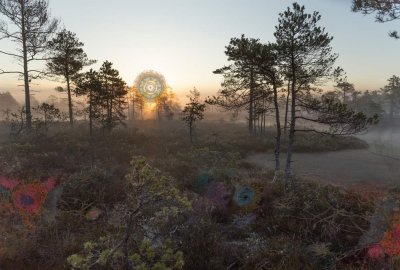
(373, 167)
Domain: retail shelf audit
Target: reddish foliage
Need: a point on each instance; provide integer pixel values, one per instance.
(391, 241)
(27, 199)
(30, 198)
(8, 183)
(396, 233)
(50, 184)
(376, 252)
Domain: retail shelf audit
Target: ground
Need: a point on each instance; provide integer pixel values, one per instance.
(279, 222)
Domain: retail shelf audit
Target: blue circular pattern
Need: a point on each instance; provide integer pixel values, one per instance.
(244, 196)
(26, 200)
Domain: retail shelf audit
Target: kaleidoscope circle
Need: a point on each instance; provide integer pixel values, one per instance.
(150, 85)
(26, 200)
(29, 198)
(244, 196)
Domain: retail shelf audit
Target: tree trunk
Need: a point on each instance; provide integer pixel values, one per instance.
(133, 107)
(278, 130)
(251, 109)
(45, 119)
(288, 172)
(129, 225)
(108, 104)
(391, 113)
(190, 133)
(264, 130)
(70, 109)
(111, 109)
(90, 113)
(26, 71)
(287, 109)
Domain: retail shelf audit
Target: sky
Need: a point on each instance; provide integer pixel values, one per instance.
(185, 39)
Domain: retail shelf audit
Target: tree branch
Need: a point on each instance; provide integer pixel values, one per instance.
(11, 54)
(10, 72)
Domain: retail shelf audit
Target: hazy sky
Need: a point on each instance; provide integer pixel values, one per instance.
(185, 39)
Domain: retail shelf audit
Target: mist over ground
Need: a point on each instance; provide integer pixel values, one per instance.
(378, 165)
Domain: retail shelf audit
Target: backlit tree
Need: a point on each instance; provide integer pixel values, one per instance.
(29, 26)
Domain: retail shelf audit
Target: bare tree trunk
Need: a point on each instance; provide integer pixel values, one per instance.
(133, 107)
(278, 130)
(265, 122)
(264, 117)
(26, 71)
(391, 112)
(110, 119)
(288, 172)
(90, 113)
(109, 102)
(190, 133)
(71, 113)
(251, 107)
(287, 109)
(45, 119)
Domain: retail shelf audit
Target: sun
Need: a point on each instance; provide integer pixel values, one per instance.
(151, 105)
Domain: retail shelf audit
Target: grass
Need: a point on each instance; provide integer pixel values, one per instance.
(93, 172)
(234, 137)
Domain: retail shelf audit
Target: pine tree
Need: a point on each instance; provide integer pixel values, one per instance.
(306, 59)
(66, 59)
(392, 95)
(268, 68)
(385, 11)
(113, 96)
(346, 89)
(139, 103)
(89, 85)
(193, 111)
(240, 85)
(166, 105)
(33, 28)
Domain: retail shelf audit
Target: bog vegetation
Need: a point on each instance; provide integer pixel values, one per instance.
(93, 183)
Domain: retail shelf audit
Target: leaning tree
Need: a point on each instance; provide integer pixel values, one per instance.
(267, 68)
(307, 60)
(27, 24)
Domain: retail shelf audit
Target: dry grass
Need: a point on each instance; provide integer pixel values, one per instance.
(93, 169)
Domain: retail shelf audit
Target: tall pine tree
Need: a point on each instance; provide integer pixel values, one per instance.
(113, 95)
(66, 59)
